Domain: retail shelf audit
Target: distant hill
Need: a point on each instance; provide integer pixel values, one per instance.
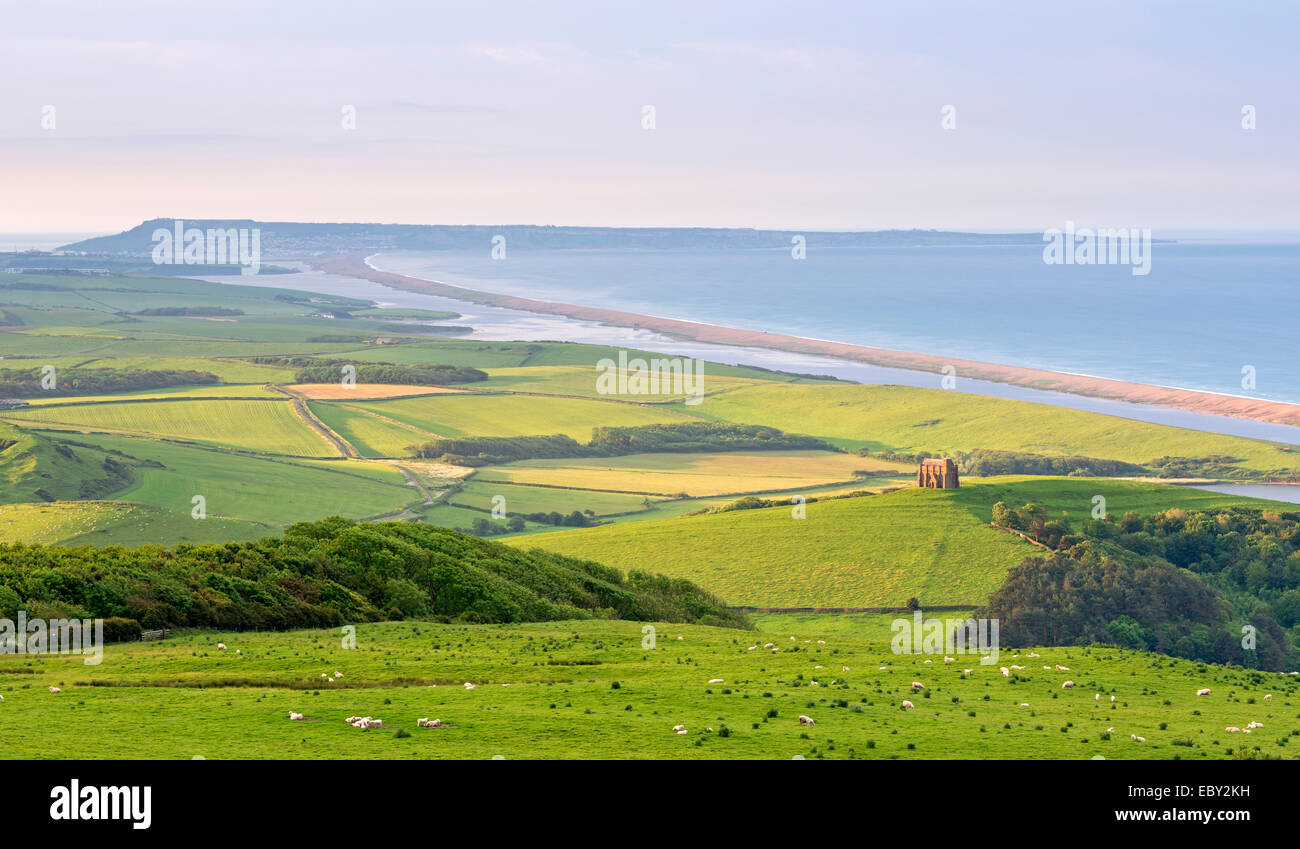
(280, 238)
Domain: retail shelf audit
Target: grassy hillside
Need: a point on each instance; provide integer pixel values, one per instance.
(590, 690)
(873, 551)
(909, 419)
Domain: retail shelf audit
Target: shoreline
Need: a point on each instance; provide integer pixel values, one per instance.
(1190, 400)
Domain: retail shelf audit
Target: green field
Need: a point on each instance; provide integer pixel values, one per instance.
(516, 415)
(908, 419)
(872, 551)
(697, 475)
(589, 690)
(271, 427)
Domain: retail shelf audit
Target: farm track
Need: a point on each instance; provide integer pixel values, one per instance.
(300, 407)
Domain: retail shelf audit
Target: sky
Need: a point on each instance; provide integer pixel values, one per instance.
(809, 115)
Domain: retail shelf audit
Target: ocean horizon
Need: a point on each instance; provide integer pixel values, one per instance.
(1210, 315)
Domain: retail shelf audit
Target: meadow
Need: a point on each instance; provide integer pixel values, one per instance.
(589, 690)
(870, 551)
(270, 427)
(696, 475)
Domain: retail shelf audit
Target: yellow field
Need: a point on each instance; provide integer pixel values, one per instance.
(696, 475)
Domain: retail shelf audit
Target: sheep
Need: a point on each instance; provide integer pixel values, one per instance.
(294, 716)
(884, 669)
(683, 731)
(751, 648)
(715, 680)
(821, 642)
(679, 727)
(1060, 668)
(818, 667)
(469, 686)
(907, 704)
(1068, 685)
(965, 673)
(1097, 697)
(929, 661)
(338, 674)
(768, 646)
(1254, 725)
(917, 685)
(1137, 738)
(1006, 673)
(1013, 666)
(1112, 699)
(1203, 692)
(814, 683)
(221, 646)
(949, 659)
(239, 651)
(2, 698)
(55, 690)
(846, 669)
(1232, 729)
(1268, 697)
(806, 720)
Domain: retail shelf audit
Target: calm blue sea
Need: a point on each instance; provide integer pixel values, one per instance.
(1206, 309)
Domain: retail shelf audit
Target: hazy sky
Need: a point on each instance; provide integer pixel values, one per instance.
(790, 114)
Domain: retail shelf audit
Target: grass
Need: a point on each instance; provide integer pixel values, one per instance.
(117, 523)
(908, 419)
(516, 415)
(534, 499)
(562, 700)
(873, 551)
(267, 426)
(370, 434)
(697, 475)
(270, 492)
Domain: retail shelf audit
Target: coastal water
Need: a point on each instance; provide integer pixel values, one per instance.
(498, 324)
(1271, 491)
(1206, 311)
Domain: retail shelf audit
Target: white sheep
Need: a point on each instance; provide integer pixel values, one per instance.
(1060, 668)
(294, 716)
(1006, 673)
(1137, 738)
(846, 669)
(768, 646)
(469, 686)
(683, 731)
(1068, 685)
(338, 674)
(966, 672)
(715, 680)
(679, 727)
(55, 690)
(1232, 729)
(1268, 697)
(806, 720)
(1203, 692)
(1112, 699)
(907, 704)
(221, 646)
(917, 685)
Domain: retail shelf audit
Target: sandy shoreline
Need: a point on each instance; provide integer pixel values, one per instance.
(1096, 387)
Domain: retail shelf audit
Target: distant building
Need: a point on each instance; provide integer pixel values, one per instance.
(937, 474)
